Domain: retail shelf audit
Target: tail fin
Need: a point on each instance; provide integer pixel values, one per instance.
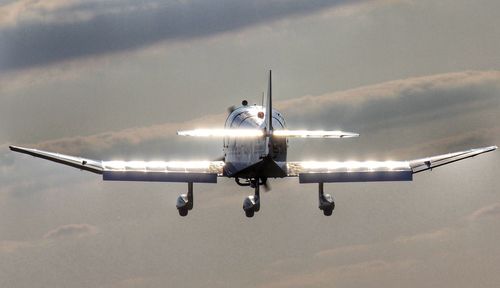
(269, 106)
(269, 117)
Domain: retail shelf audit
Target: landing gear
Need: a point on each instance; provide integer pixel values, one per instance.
(185, 201)
(326, 201)
(249, 213)
(251, 204)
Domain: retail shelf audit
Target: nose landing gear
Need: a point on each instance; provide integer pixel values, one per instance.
(251, 204)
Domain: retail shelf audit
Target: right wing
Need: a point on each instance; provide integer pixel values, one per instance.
(356, 171)
(156, 171)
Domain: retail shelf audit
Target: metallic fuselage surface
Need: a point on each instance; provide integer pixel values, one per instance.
(241, 153)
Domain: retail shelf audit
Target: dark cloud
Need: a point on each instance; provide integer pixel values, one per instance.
(94, 28)
(71, 230)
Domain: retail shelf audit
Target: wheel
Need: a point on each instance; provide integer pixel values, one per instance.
(328, 211)
(249, 213)
(183, 212)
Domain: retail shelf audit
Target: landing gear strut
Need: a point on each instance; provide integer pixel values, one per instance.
(251, 204)
(185, 201)
(326, 202)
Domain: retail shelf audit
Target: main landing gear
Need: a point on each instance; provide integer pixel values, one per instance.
(326, 201)
(185, 201)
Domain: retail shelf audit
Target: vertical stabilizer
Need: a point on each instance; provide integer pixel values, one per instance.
(269, 116)
(269, 106)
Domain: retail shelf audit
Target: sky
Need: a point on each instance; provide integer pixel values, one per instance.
(116, 79)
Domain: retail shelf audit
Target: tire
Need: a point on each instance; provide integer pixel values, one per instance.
(249, 213)
(183, 212)
(328, 212)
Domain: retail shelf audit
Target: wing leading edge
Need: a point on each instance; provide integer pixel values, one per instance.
(355, 171)
(155, 171)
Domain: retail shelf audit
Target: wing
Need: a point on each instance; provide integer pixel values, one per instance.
(355, 171)
(156, 171)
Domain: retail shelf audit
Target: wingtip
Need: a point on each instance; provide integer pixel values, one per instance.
(489, 148)
(18, 149)
(351, 135)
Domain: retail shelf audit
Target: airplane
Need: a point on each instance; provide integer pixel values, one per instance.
(255, 142)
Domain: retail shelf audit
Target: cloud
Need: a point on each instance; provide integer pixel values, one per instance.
(450, 233)
(13, 246)
(343, 250)
(96, 143)
(371, 110)
(435, 235)
(34, 33)
(490, 211)
(13, 13)
(140, 281)
(462, 141)
(64, 231)
(71, 230)
(334, 275)
(405, 99)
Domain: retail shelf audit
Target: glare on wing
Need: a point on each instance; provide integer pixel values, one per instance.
(164, 166)
(222, 133)
(347, 166)
(314, 134)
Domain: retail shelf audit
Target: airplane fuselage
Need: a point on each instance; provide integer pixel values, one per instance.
(250, 157)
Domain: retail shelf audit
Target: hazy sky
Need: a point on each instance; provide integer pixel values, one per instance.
(115, 79)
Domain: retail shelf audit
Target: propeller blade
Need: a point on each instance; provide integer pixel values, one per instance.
(267, 186)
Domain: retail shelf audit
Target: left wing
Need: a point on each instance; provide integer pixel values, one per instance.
(355, 171)
(157, 171)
